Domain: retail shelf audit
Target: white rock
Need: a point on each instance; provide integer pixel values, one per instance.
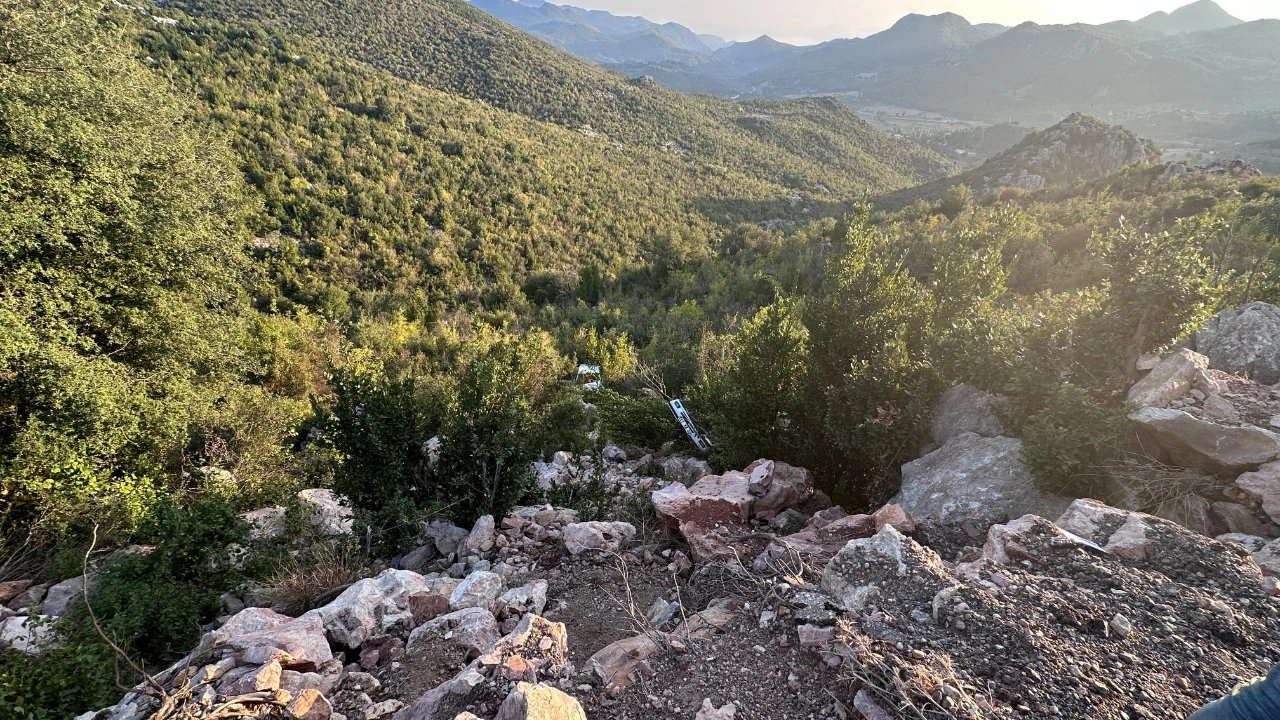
(479, 589)
(371, 606)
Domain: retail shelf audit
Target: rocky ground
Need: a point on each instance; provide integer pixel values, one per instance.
(747, 595)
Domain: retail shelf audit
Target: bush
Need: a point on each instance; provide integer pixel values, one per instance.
(645, 421)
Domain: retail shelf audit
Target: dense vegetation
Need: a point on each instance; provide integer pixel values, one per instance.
(238, 262)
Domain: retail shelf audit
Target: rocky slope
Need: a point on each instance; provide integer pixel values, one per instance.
(748, 595)
(1080, 148)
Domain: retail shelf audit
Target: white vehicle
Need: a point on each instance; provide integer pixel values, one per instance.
(589, 377)
(690, 427)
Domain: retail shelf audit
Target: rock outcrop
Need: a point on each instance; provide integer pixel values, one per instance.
(1185, 440)
(1243, 341)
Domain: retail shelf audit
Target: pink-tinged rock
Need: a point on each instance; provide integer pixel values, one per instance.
(615, 663)
(896, 516)
(1090, 519)
(1263, 486)
(709, 711)
(12, 589)
(1030, 537)
(824, 517)
(258, 635)
(1131, 540)
(812, 636)
(474, 629)
(309, 705)
(605, 537)
(371, 606)
(1168, 380)
(704, 503)
(426, 606)
(776, 486)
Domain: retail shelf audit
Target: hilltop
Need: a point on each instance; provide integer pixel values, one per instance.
(1078, 149)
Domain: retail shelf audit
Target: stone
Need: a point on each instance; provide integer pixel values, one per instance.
(257, 635)
(447, 699)
(1122, 533)
(1131, 540)
(974, 479)
(1239, 519)
(821, 541)
(419, 559)
(479, 589)
(812, 636)
(383, 709)
(530, 598)
(1243, 341)
(1251, 543)
(63, 596)
(265, 523)
(896, 516)
(613, 454)
(1220, 410)
(709, 711)
(684, 470)
(1263, 486)
(474, 629)
(1170, 380)
(539, 702)
(713, 500)
(607, 537)
(776, 486)
(1192, 512)
(326, 511)
(615, 663)
(856, 574)
(966, 409)
(1121, 626)
(266, 677)
(13, 588)
(29, 597)
(445, 536)
(870, 709)
(424, 606)
(1029, 537)
(309, 705)
(480, 539)
(1268, 559)
(372, 606)
(1188, 441)
(27, 634)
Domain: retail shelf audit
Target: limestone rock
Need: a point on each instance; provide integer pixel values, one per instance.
(859, 572)
(445, 536)
(475, 629)
(709, 711)
(615, 663)
(1191, 442)
(326, 511)
(605, 537)
(1268, 558)
(27, 634)
(776, 486)
(265, 523)
(539, 702)
(975, 479)
(529, 598)
(372, 606)
(713, 500)
(1169, 380)
(259, 634)
(480, 539)
(966, 409)
(1251, 543)
(1244, 341)
(11, 589)
(1263, 486)
(418, 559)
(684, 470)
(63, 596)
(479, 589)
(447, 699)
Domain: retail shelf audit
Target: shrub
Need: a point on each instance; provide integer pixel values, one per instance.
(645, 421)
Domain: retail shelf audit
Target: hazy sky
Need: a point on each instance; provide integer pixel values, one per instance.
(809, 21)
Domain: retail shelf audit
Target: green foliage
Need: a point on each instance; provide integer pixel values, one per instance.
(60, 684)
(507, 399)
(755, 397)
(644, 421)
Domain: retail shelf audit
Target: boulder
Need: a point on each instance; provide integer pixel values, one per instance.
(528, 598)
(866, 567)
(1263, 486)
(265, 523)
(966, 409)
(1239, 519)
(259, 634)
(1185, 440)
(540, 646)
(605, 537)
(974, 479)
(1244, 341)
(426, 606)
(27, 634)
(820, 541)
(418, 559)
(445, 536)
(1029, 538)
(63, 596)
(684, 470)
(474, 629)
(309, 705)
(1169, 380)
(481, 538)
(372, 606)
(776, 486)
(479, 589)
(1122, 533)
(1251, 543)
(539, 702)
(713, 500)
(1268, 558)
(326, 511)
(896, 516)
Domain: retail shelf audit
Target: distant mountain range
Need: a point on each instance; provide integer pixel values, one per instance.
(1197, 59)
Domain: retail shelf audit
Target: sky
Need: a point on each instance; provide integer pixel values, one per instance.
(812, 21)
